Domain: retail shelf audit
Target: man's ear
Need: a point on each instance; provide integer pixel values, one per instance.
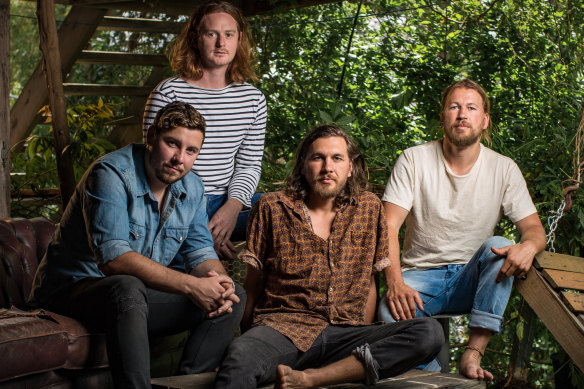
(150, 135)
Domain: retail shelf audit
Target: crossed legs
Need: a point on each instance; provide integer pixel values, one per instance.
(340, 354)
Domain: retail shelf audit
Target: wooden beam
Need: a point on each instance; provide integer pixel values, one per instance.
(49, 45)
(4, 108)
(121, 58)
(75, 32)
(115, 23)
(560, 321)
(72, 89)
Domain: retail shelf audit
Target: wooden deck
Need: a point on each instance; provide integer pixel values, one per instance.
(554, 289)
(413, 379)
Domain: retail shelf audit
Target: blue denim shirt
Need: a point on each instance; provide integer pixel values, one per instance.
(112, 212)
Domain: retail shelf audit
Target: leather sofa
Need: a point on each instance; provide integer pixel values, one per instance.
(40, 349)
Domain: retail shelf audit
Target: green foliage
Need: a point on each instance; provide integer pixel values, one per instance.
(35, 168)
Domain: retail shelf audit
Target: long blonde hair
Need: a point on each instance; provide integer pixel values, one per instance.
(184, 54)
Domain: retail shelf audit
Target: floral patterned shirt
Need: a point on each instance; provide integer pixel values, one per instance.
(311, 282)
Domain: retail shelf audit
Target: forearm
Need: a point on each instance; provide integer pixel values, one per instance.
(204, 268)
(153, 274)
(535, 238)
(392, 273)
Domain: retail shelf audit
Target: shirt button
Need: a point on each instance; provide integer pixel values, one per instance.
(180, 239)
(331, 289)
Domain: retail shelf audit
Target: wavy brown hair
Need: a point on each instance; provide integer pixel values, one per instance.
(184, 55)
(469, 84)
(177, 114)
(296, 185)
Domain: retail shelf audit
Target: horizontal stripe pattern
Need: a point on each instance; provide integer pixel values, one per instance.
(231, 157)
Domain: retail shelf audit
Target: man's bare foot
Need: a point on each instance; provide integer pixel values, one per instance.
(288, 378)
(470, 366)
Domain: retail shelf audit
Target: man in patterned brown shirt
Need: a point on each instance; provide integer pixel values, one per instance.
(311, 252)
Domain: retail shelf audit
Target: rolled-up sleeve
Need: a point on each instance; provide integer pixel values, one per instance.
(198, 246)
(105, 212)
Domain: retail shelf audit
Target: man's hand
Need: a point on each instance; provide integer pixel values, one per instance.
(228, 298)
(518, 260)
(207, 293)
(402, 300)
(519, 257)
(222, 225)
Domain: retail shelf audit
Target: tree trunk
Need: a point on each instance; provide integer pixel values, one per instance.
(49, 45)
(4, 108)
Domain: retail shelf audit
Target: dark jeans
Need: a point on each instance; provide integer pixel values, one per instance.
(129, 312)
(393, 348)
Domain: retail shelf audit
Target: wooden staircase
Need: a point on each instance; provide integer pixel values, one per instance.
(75, 36)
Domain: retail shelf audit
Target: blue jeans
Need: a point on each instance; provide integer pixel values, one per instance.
(385, 350)
(214, 202)
(460, 289)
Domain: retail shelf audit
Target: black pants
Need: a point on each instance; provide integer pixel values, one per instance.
(129, 312)
(386, 350)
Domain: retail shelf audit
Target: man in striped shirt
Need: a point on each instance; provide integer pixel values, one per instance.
(211, 58)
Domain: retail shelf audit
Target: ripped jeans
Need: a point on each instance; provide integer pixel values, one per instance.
(129, 312)
(386, 350)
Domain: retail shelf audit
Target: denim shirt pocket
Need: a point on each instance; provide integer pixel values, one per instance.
(137, 237)
(173, 239)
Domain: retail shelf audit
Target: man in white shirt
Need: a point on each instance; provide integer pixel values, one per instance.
(451, 193)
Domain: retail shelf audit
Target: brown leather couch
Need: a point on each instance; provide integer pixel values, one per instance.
(40, 349)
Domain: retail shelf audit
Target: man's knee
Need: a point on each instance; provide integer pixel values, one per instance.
(127, 293)
(497, 242)
(435, 339)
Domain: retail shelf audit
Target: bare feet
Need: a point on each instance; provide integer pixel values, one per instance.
(470, 366)
(288, 378)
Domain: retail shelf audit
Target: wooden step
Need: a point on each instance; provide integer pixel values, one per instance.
(115, 23)
(72, 89)
(121, 58)
(413, 379)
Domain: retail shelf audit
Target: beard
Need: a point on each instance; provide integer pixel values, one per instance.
(160, 171)
(328, 191)
(462, 140)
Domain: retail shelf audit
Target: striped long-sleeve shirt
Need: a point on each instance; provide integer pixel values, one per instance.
(231, 157)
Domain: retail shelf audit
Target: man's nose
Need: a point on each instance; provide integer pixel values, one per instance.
(328, 165)
(178, 156)
(220, 40)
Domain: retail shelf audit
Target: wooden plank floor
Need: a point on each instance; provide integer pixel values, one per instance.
(413, 379)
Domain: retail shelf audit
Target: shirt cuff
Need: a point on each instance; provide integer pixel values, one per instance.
(250, 258)
(110, 250)
(380, 265)
(196, 257)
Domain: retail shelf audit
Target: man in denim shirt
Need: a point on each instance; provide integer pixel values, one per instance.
(133, 211)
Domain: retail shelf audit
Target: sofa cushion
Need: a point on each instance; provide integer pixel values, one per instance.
(86, 349)
(30, 342)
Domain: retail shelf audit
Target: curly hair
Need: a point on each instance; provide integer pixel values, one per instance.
(469, 84)
(178, 114)
(296, 184)
(184, 55)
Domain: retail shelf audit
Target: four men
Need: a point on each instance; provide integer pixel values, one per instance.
(311, 249)
(451, 193)
(134, 210)
(311, 252)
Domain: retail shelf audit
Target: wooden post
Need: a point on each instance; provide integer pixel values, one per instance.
(49, 45)
(4, 108)
(521, 350)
